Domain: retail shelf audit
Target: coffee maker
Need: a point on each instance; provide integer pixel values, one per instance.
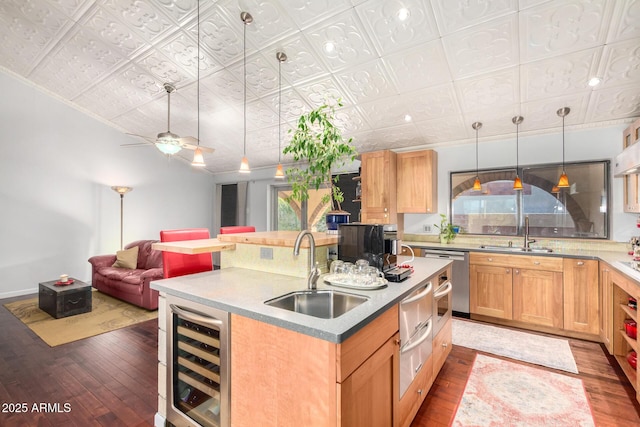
(376, 243)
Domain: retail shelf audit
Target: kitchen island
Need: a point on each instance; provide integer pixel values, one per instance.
(292, 368)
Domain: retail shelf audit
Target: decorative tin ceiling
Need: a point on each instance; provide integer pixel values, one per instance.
(444, 63)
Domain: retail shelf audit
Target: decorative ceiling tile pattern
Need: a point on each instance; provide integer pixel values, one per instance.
(444, 63)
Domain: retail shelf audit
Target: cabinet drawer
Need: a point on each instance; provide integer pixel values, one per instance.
(531, 262)
(441, 347)
(415, 394)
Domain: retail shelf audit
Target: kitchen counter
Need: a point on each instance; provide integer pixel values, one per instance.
(278, 238)
(243, 291)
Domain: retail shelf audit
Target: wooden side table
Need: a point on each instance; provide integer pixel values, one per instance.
(63, 301)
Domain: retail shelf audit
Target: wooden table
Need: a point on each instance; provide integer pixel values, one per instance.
(66, 300)
(190, 247)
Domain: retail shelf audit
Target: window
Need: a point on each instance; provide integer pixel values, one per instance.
(580, 211)
(308, 215)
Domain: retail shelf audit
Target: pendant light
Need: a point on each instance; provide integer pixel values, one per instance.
(563, 182)
(198, 159)
(281, 57)
(477, 186)
(517, 182)
(247, 19)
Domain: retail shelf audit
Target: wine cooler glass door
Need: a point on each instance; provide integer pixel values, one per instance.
(198, 368)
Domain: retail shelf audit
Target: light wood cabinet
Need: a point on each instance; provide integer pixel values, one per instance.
(417, 186)
(581, 305)
(605, 293)
(623, 288)
(369, 394)
(416, 392)
(491, 290)
(378, 175)
(631, 193)
(537, 297)
(442, 344)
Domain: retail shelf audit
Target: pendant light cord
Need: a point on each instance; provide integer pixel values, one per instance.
(563, 143)
(517, 148)
(476, 153)
(279, 104)
(244, 61)
(198, 75)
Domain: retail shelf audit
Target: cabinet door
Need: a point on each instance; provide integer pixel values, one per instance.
(490, 291)
(378, 176)
(370, 393)
(630, 182)
(581, 295)
(537, 297)
(417, 182)
(606, 301)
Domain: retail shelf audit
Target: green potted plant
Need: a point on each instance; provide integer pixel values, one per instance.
(447, 230)
(317, 142)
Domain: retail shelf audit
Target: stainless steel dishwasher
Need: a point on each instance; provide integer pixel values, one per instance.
(459, 279)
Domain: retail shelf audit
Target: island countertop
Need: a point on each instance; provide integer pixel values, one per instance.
(278, 238)
(243, 291)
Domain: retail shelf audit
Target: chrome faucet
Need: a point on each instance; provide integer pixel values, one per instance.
(314, 272)
(527, 241)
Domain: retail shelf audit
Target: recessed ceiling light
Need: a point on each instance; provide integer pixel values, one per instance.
(407, 118)
(403, 14)
(594, 81)
(329, 47)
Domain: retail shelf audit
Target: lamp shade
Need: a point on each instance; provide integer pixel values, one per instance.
(477, 186)
(168, 148)
(198, 159)
(279, 172)
(517, 183)
(244, 166)
(563, 182)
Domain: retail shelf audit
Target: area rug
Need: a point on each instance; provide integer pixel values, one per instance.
(107, 314)
(537, 349)
(502, 393)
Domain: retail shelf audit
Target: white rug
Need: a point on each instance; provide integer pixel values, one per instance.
(545, 351)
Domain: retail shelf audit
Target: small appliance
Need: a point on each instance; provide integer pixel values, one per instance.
(377, 243)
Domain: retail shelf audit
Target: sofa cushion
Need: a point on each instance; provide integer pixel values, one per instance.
(147, 256)
(127, 258)
(116, 273)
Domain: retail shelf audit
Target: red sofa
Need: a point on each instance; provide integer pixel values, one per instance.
(126, 284)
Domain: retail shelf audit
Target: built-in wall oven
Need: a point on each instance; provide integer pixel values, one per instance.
(197, 364)
(416, 324)
(442, 301)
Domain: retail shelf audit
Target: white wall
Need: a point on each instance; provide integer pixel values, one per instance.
(57, 209)
(591, 144)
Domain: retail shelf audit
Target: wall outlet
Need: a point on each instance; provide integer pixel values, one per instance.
(266, 253)
(426, 228)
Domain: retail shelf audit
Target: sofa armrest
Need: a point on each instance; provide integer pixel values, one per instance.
(98, 261)
(152, 274)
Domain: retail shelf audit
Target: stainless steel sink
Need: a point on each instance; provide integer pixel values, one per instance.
(516, 249)
(326, 304)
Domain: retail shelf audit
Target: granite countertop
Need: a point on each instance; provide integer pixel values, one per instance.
(243, 291)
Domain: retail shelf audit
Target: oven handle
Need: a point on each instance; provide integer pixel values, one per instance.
(428, 326)
(189, 315)
(443, 290)
(416, 297)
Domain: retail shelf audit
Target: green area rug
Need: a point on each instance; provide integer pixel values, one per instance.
(537, 349)
(503, 393)
(107, 314)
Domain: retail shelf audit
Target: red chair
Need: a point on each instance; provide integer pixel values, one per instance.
(237, 229)
(175, 264)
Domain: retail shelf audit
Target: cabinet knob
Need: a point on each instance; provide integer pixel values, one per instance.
(386, 210)
(517, 271)
(507, 271)
(444, 345)
(397, 342)
(420, 391)
(580, 263)
(536, 262)
(490, 259)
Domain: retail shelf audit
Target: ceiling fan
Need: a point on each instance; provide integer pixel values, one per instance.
(168, 142)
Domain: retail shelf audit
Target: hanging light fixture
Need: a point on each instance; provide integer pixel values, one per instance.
(517, 182)
(247, 19)
(198, 158)
(477, 186)
(281, 57)
(563, 182)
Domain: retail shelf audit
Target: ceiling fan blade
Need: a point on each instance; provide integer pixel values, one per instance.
(203, 148)
(147, 138)
(188, 140)
(138, 144)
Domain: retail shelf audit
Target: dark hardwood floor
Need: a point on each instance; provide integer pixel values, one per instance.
(111, 380)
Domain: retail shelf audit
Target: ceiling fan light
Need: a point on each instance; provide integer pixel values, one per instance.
(198, 159)
(563, 182)
(168, 148)
(244, 166)
(477, 186)
(279, 172)
(517, 183)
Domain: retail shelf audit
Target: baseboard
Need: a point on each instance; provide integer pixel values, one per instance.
(537, 328)
(18, 293)
(159, 421)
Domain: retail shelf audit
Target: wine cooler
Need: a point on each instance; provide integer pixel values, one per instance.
(197, 364)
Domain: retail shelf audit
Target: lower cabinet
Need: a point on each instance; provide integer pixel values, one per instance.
(373, 381)
(442, 344)
(605, 294)
(537, 297)
(491, 290)
(581, 295)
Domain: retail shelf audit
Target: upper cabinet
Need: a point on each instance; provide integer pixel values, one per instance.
(630, 136)
(417, 186)
(378, 177)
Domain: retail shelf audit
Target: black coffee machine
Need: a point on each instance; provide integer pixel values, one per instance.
(377, 243)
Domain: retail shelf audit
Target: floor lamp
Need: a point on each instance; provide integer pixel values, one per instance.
(121, 191)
